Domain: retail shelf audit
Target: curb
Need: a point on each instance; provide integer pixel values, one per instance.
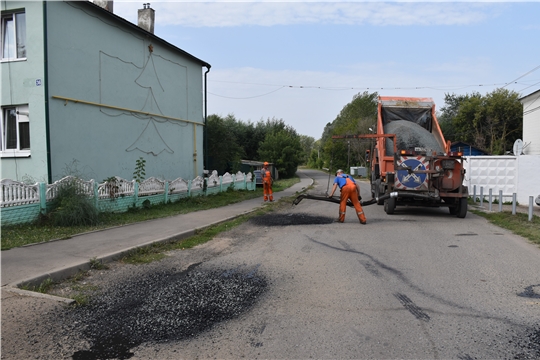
(37, 295)
(68, 271)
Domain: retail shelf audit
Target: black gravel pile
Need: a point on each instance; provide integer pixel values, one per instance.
(529, 345)
(290, 219)
(163, 306)
(410, 135)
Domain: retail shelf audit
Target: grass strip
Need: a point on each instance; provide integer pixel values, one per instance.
(156, 252)
(20, 235)
(519, 223)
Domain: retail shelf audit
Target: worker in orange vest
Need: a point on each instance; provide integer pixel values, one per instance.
(349, 190)
(267, 183)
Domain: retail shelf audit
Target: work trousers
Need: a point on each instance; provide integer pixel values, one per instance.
(267, 191)
(349, 191)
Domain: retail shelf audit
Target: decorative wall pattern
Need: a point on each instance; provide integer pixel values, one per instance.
(159, 87)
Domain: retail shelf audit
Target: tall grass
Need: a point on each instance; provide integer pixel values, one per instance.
(71, 207)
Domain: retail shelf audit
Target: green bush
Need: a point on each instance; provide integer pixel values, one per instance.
(71, 207)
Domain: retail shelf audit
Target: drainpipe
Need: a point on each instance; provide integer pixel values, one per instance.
(205, 142)
(46, 81)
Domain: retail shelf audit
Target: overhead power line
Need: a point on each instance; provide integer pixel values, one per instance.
(527, 73)
(346, 88)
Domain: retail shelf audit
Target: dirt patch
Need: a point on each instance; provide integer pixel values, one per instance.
(30, 329)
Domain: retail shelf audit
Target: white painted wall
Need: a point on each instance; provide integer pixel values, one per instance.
(528, 181)
(511, 174)
(531, 123)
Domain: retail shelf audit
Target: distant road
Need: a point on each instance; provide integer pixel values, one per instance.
(417, 284)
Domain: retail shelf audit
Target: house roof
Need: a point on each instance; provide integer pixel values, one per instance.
(141, 30)
(464, 144)
(526, 96)
(254, 163)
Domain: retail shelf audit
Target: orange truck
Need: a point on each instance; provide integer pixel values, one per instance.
(411, 163)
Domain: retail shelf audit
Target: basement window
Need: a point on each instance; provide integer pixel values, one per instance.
(15, 126)
(14, 36)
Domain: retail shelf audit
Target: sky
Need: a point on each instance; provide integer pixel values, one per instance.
(303, 61)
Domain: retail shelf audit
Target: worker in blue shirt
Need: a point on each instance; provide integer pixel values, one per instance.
(350, 190)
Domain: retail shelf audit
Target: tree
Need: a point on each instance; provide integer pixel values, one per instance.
(448, 112)
(491, 122)
(282, 147)
(503, 116)
(467, 122)
(315, 160)
(230, 140)
(223, 149)
(355, 118)
(308, 144)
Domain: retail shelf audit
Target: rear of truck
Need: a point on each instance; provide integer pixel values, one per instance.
(415, 167)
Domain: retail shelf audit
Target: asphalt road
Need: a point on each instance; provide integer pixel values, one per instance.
(418, 284)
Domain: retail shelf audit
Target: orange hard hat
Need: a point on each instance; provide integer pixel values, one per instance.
(265, 163)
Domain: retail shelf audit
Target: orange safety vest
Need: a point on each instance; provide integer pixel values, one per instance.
(266, 175)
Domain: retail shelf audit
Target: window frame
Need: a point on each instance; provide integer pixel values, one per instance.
(22, 116)
(13, 17)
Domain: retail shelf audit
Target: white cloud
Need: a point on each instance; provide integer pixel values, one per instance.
(226, 14)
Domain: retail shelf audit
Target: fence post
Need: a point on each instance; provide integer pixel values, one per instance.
(474, 194)
(220, 183)
(514, 195)
(166, 192)
(189, 188)
(500, 200)
(245, 181)
(135, 194)
(96, 195)
(490, 198)
(43, 198)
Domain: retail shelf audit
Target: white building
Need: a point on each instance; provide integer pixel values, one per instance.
(531, 123)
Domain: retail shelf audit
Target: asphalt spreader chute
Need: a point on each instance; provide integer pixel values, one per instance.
(329, 199)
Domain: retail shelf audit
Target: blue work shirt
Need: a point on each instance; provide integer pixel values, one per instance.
(341, 180)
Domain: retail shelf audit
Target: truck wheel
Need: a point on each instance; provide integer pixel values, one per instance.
(462, 208)
(390, 205)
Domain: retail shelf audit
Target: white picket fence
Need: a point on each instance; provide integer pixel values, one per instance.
(16, 193)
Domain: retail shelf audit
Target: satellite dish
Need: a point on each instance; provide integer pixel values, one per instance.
(518, 147)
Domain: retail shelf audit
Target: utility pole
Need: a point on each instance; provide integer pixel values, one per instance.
(348, 155)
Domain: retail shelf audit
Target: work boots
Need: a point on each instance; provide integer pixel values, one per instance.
(362, 218)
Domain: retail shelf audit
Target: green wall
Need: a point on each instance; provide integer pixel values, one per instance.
(19, 87)
(102, 60)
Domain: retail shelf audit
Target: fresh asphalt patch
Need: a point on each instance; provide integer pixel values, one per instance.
(285, 219)
(162, 306)
(528, 345)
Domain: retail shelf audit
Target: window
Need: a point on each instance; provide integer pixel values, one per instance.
(14, 36)
(15, 141)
